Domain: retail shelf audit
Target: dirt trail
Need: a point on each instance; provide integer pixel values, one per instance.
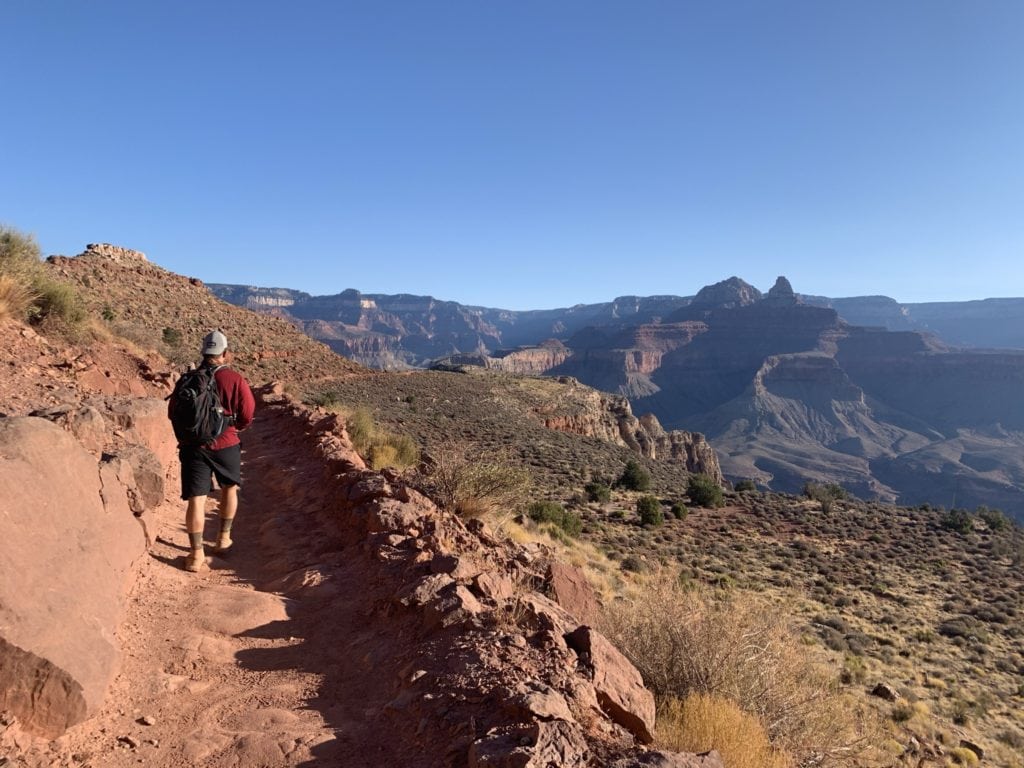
(272, 657)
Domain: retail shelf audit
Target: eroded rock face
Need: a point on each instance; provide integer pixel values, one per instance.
(609, 417)
(69, 543)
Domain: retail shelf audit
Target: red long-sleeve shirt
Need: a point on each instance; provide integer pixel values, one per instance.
(237, 400)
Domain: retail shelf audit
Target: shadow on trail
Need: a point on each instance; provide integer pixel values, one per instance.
(289, 541)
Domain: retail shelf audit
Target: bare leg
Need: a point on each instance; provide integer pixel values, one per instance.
(195, 517)
(228, 508)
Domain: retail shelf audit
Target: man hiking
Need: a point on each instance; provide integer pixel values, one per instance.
(208, 408)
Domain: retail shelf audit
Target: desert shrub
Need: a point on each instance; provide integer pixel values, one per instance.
(649, 510)
(57, 302)
(702, 722)
(957, 520)
(378, 447)
(390, 450)
(171, 337)
(741, 648)
(633, 564)
(552, 512)
(678, 510)
(472, 484)
(20, 256)
(16, 297)
(826, 494)
(361, 429)
(598, 491)
(745, 485)
(993, 518)
(704, 491)
(963, 756)
(35, 295)
(326, 399)
(634, 477)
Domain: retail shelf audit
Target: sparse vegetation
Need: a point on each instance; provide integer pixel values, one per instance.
(598, 491)
(380, 448)
(472, 486)
(737, 647)
(826, 494)
(554, 513)
(28, 292)
(634, 477)
(649, 510)
(15, 298)
(702, 722)
(958, 521)
(678, 510)
(704, 491)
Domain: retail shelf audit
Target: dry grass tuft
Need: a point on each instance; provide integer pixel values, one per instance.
(474, 485)
(739, 647)
(702, 722)
(15, 298)
(379, 447)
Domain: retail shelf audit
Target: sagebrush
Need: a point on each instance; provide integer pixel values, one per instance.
(736, 646)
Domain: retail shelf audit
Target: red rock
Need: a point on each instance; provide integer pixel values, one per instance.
(619, 686)
(459, 568)
(64, 558)
(144, 421)
(572, 591)
(538, 745)
(494, 586)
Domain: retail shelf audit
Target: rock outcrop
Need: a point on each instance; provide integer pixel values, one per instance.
(589, 412)
(536, 684)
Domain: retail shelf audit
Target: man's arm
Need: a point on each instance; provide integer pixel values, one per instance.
(244, 405)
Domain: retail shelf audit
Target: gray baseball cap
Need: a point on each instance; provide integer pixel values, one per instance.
(215, 343)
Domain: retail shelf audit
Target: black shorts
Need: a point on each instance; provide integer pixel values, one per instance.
(199, 465)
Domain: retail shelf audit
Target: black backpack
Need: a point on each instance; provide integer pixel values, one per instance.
(198, 417)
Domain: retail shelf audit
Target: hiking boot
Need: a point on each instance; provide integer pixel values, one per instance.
(195, 561)
(224, 543)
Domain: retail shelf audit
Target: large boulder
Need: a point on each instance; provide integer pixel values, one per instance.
(69, 542)
(620, 688)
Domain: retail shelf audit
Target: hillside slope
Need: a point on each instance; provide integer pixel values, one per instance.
(353, 622)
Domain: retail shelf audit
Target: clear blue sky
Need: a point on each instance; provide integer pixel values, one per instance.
(526, 153)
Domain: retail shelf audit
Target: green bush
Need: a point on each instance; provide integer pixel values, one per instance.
(634, 477)
(553, 512)
(649, 510)
(57, 301)
(957, 520)
(171, 336)
(826, 494)
(45, 299)
(678, 510)
(598, 491)
(993, 518)
(704, 491)
(745, 485)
